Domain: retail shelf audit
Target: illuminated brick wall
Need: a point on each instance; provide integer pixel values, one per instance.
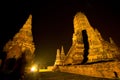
(104, 70)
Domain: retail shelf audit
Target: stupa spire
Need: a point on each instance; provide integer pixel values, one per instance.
(58, 58)
(111, 40)
(62, 53)
(28, 23)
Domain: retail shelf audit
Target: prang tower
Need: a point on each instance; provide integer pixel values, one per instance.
(88, 44)
(22, 42)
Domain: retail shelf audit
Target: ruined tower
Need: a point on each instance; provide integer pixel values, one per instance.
(89, 53)
(87, 44)
(22, 42)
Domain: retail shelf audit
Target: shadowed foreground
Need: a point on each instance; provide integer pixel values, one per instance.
(60, 76)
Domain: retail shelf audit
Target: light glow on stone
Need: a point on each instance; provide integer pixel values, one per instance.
(33, 69)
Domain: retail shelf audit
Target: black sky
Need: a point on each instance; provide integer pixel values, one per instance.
(53, 22)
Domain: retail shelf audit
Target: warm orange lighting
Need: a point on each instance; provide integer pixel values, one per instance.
(33, 69)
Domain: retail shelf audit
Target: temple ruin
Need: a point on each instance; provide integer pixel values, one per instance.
(60, 56)
(89, 53)
(21, 44)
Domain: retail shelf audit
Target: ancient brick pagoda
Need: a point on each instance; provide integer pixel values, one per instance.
(88, 45)
(89, 53)
(22, 43)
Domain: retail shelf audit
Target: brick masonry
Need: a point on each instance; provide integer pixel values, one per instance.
(104, 69)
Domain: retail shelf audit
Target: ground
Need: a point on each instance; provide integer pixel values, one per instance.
(49, 75)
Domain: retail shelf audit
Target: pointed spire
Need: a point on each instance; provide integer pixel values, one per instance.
(28, 23)
(24, 38)
(80, 20)
(111, 40)
(58, 54)
(62, 53)
(58, 58)
(26, 30)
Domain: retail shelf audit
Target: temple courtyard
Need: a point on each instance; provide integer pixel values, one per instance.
(49, 75)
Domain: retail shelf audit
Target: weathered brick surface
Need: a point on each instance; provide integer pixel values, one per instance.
(104, 70)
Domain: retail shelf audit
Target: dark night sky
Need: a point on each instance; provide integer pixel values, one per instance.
(53, 22)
